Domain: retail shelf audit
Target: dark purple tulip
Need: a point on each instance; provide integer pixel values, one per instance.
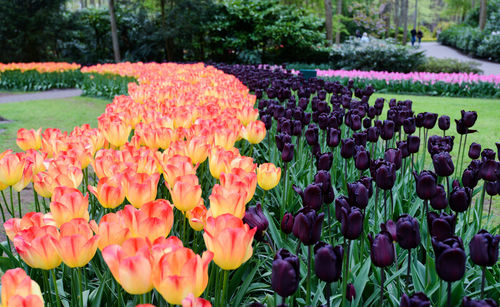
(403, 147)
(425, 184)
(450, 258)
(418, 299)
(443, 165)
(355, 122)
(444, 122)
(460, 199)
(285, 274)
(372, 134)
(385, 175)
(351, 292)
(413, 143)
(469, 118)
(488, 154)
(491, 188)
(254, 217)
(328, 261)
(407, 232)
(429, 120)
(461, 128)
(313, 197)
(323, 178)
(468, 302)
(390, 227)
(409, 125)
(347, 148)
(311, 134)
(307, 225)
(360, 138)
(287, 153)
(439, 200)
(470, 177)
(387, 131)
(419, 120)
(324, 161)
(484, 248)
(350, 218)
(441, 226)
(296, 128)
(474, 150)
(287, 223)
(394, 155)
(367, 182)
(281, 140)
(372, 112)
(381, 249)
(362, 160)
(332, 137)
(498, 150)
(367, 122)
(488, 170)
(358, 194)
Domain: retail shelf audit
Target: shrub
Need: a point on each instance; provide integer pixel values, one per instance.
(32, 80)
(436, 65)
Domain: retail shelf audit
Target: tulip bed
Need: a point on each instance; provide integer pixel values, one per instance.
(183, 196)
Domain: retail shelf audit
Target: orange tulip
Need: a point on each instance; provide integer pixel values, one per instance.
(77, 243)
(268, 176)
(14, 225)
(11, 168)
(247, 115)
(186, 192)
(229, 239)
(19, 290)
(163, 246)
(243, 162)
(180, 273)
(36, 160)
(219, 161)
(254, 132)
(224, 200)
(197, 149)
(130, 265)
(197, 216)
(240, 179)
(67, 204)
(44, 184)
(109, 191)
(26, 178)
(176, 166)
(115, 131)
(112, 230)
(36, 248)
(226, 138)
(191, 301)
(141, 188)
(29, 139)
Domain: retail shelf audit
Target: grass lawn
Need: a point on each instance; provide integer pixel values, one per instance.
(63, 114)
(487, 124)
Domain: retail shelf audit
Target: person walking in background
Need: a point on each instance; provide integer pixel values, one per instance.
(419, 36)
(365, 38)
(413, 33)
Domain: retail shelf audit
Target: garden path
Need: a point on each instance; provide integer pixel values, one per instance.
(437, 50)
(52, 94)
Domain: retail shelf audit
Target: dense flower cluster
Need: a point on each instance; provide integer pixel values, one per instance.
(40, 67)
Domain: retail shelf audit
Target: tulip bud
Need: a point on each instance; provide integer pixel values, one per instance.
(390, 227)
(255, 218)
(285, 274)
(350, 218)
(372, 134)
(307, 226)
(311, 134)
(469, 118)
(394, 155)
(425, 184)
(287, 153)
(358, 194)
(450, 258)
(362, 160)
(381, 249)
(468, 302)
(324, 161)
(407, 232)
(287, 223)
(474, 150)
(351, 292)
(332, 137)
(441, 226)
(347, 148)
(418, 299)
(444, 122)
(484, 248)
(328, 261)
(439, 200)
(387, 131)
(413, 143)
(385, 175)
(409, 125)
(443, 164)
(429, 120)
(488, 170)
(460, 199)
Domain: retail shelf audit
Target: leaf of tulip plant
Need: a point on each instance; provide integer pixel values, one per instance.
(360, 280)
(246, 283)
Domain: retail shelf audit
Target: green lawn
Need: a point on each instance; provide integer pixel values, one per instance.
(63, 114)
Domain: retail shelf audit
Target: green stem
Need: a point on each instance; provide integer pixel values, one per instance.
(12, 202)
(347, 245)
(80, 288)
(308, 298)
(35, 195)
(7, 204)
(482, 204)
(224, 287)
(183, 227)
(46, 286)
(19, 204)
(54, 281)
(3, 214)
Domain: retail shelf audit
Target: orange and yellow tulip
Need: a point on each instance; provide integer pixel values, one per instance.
(268, 176)
(191, 301)
(36, 248)
(11, 167)
(14, 225)
(77, 243)
(254, 132)
(186, 192)
(29, 139)
(112, 230)
(197, 217)
(230, 240)
(141, 188)
(224, 200)
(19, 290)
(109, 191)
(67, 204)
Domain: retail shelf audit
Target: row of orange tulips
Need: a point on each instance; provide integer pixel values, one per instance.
(177, 118)
(40, 67)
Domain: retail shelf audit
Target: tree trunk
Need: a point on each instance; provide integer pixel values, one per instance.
(405, 21)
(482, 14)
(339, 12)
(397, 19)
(328, 21)
(83, 4)
(114, 32)
(415, 15)
(92, 3)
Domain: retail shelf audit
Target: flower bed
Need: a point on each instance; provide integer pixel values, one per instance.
(178, 195)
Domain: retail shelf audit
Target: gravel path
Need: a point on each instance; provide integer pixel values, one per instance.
(439, 51)
(52, 94)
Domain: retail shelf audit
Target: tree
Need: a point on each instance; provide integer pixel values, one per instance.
(328, 21)
(339, 12)
(397, 14)
(482, 14)
(405, 21)
(114, 32)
